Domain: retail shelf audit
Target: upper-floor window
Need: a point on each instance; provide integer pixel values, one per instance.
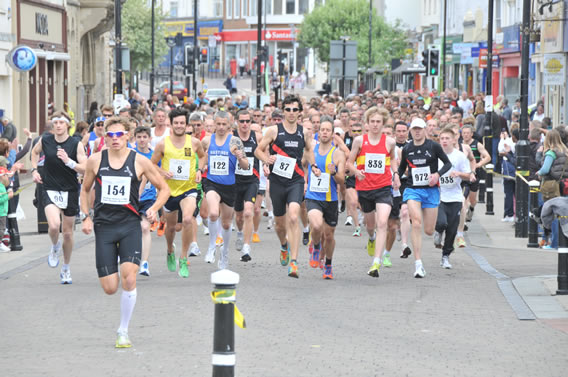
(173, 9)
(229, 8)
(278, 7)
(237, 8)
(290, 6)
(303, 6)
(245, 8)
(217, 8)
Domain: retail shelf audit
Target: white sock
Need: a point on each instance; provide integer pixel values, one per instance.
(387, 252)
(307, 229)
(219, 227)
(205, 221)
(212, 234)
(372, 238)
(460, 234)
(377, 260)
(239, 234)
(65, 267)
(418, 262)
(127, 303)
(226, 233)
(270, 214)
(404, 246)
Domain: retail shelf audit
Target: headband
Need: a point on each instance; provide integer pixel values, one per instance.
(61, 119)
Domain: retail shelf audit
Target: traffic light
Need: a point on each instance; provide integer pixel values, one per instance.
(179, 39)
(434, 62)
(425, 61)
(203, 56)
(280, 57)
(189, 59)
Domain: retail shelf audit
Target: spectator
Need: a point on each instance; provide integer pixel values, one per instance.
(93, 112)
(506, 150)
(465, 104)
(7, 129)
(228, 84)
(506, 111)
(534, 160)
(242, 65)
(539, 113)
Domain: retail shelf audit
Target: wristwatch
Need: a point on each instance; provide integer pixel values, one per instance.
(33, 169)
(83, 216)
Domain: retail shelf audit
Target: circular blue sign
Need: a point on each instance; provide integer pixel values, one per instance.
(22, 58)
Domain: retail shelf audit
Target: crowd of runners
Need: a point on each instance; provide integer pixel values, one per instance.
(398, 167)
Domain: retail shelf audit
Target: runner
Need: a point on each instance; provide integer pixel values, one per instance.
(451, 197)
(116, 174)
(247, 182)
(321, 196)
(374, 155)
(64, 158)
(90, 138)
(350, 192)
(401, 138)
(482, 158)
(160, 127)
(288, 141)
(224, 151)
(179, 155)
(422, 195)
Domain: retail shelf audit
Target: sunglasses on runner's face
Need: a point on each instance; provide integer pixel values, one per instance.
(107, 115)
(244, 120)
(356, 131)
(100, 124)
(291, 109)
(117, 134)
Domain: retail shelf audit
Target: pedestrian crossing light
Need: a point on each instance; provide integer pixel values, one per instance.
(189, 59)
(434, 62)
(203, 55)
(425, 61)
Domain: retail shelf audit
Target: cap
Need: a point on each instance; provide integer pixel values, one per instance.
(338, 130)
(3, 170)
(100, 119)
(418, 123)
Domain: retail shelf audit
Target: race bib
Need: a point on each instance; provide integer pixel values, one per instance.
(420, 176)
(115, 190)
(219, 165)
(59, 198)
(284, 166)
(180, 169)
(375, 163)
(240, 171)
(319, 184)
(447, 181)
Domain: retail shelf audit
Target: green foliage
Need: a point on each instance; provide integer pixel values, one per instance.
(338, 18)
(137, 34)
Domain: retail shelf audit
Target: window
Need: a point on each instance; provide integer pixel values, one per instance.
(253, 7)
(173, 9)
(229, 8)
(217, 8)
(245, 8)
(290, 6)
(303, 6)
(237, 8)
(268, 5)
(498, 14)
(277, 7)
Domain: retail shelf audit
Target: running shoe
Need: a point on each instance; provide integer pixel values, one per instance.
(255, 238)
(161, 229)
(374, 271)
(357, 232)
(371, 247)
(469, 215)
(548, 247)
(328, 272)
(219, 241)
(285, 255)
(239, 242)
(342, 208)
(322, 264)
(154, 226)
(508, 219)
(65, 276)
(349, 221)
(210, 256)
(361, 217)
(246, 253)
(293, 270)
(194, 249)
(387, 260)
(311, 247)
(306, 238)
(419, 272)
(270, 224)
(122, 340)
(406, 252)
(183, 270)
(205, 230)
(437, 240)
(53, 257)
(315, 257)
(171, 261)
(460, 241)
(144, 270)
(4, 248)
(445, 262)
(223, 259)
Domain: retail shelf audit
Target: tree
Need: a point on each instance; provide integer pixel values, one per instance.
(137, 34)
(338, 18)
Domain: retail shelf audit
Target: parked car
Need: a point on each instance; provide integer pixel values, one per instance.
(217, 93)
(179, 91)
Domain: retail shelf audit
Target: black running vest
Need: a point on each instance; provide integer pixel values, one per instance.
(55, 175)
(247, 176)
(289, 145)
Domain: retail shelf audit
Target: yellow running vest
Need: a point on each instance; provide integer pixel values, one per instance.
(182, 162)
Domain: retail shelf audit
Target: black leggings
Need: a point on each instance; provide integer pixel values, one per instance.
(448, 221)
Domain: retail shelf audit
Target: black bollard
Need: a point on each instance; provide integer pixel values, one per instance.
(562, 278)
(12, 219)
(481, 191)
(534, 187)
(42, 225)
(489, 190)
(224, 296)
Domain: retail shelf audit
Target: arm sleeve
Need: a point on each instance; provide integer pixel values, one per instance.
(547, 164)
(442, 156)
(24, 150)
(403, 163)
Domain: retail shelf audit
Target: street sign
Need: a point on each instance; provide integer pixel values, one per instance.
(554, 69)
(212, 41)
(336, 60)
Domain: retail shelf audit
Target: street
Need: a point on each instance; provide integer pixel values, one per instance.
(453, 322)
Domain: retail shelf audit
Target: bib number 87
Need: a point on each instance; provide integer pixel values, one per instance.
(284, 166)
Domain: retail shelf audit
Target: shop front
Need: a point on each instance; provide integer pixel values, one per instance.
(43, 27)
(508, 49)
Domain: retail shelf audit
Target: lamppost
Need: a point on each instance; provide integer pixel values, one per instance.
(152, 73)
(118, 48)
(171, 44)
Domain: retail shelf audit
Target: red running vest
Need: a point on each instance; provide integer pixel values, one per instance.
(373, 158)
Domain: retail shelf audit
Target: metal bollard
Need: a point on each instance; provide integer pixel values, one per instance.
(562, 278)
(489, 190)
(224, 296)
(481, 192)
(534, 187)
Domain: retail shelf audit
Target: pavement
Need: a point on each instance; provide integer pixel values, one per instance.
(463, 321)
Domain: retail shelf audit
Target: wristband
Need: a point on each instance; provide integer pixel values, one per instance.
(71, 164)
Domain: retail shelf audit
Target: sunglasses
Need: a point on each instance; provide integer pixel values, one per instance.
(356, 131)
(291, 109)
(117, 134)
(244, 120)
(99, 124)
(107, 115)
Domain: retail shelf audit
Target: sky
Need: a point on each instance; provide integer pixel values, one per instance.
(399, 9)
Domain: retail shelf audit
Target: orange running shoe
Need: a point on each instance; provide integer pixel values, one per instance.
(219, 241)
(328, 272)
(255, 238)
(293, 270)
(315, 258)
(154, 226)
(161, 229)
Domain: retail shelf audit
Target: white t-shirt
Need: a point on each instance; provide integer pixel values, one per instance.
(450, 187)
(466, 106)
(156, 139)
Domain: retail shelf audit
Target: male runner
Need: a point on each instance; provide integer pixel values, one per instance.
(160, 127)
(321, 196)
(64, 158)
(98, 131)
(482, 158)
(117, 173)
(287, 141)
(350, 192)
(247, 182)
(224, 151)
(374, 154)
(422, 195)
(179, 155)
(451, 196)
